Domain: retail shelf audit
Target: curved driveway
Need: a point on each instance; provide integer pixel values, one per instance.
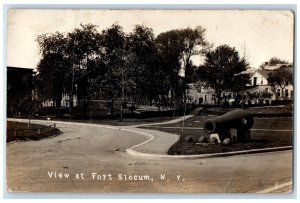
(100, 150)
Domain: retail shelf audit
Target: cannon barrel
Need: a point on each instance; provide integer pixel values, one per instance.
(238, 119)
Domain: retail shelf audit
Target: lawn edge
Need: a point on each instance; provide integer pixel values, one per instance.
(133, 152)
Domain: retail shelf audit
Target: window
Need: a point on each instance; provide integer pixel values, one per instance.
(262, 82)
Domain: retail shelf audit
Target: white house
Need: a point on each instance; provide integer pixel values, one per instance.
(259, 82)
(259, 78)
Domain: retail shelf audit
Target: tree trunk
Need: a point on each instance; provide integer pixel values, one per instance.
(172, 103)
(85, 108)
(218, 97)
(158, 104)
(112, 108)
(121, 114)
(57, 107)
(215, 97)
(71, 104)
(132, 108)
(183, 115)
(282, 92)
(172, 97)
(28, 126)
(14, 117)
(122, 100)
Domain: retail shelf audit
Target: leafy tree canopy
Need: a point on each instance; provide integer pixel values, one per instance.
(220, 70)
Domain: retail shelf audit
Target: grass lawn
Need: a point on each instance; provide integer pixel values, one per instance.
(262, 111)
(20, 131)
(266, 132)
(280, 123)
(117, 122)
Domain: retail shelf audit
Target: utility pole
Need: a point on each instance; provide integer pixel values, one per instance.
(72, 82)
(244, 57)
(182, 128)
(122, 100)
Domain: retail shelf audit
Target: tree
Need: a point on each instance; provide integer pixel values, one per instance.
(220, 68)
(17, 103)
(280, 78)
(85, 52)
(146, 70)
(193, 44)
(69, 60)
(275, 61)
(53, 68)
(170, 50)
(239, 82)
(32, 106)
(176, 48)
(114, 44)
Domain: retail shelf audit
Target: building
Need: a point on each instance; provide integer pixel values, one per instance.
(65, 101)
(19, 80)
(259, 82)
(259, 78)
(198, 94)
(20, 88)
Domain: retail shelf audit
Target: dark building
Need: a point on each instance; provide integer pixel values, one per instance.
(20, 86)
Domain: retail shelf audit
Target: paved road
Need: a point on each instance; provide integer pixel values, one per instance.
(97, 149)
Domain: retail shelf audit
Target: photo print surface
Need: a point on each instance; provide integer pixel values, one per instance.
(150, 101)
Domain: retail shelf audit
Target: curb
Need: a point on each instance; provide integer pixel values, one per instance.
(104, 125)
(177, 120)
(132, 152)
(148, 135)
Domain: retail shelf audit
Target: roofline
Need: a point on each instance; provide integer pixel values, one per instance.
(260, 74)
(19, 67)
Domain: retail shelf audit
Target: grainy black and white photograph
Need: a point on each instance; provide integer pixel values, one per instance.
(150, 101)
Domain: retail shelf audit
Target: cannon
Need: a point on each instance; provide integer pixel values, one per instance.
(240, 120)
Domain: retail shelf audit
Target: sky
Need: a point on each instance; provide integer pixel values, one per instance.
(257, 34)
